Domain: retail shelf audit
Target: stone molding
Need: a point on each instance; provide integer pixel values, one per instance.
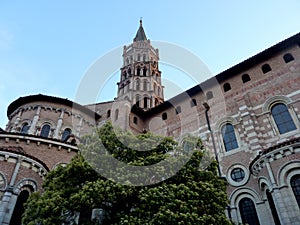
(273, 155)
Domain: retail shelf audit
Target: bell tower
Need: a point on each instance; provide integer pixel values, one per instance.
(140, 80)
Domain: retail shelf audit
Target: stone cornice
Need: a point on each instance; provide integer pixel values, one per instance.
(17, 137)
(272, 155)
(26, 161)
(70, 112)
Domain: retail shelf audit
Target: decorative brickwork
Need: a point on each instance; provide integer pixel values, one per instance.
(259, 166)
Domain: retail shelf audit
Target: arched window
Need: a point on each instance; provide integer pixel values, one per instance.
(193, 102)
(85, 216)
(295, 184)
(178, 109)
(45, 130)
(116, 114)
(248, 212)
(158, 91)
(246, 78)
(226, 87)
(145, 85)
(108, 113)
(137, 87)
(154, 88)
(139, 57)
(282, 118)
(124, 75)
(209, 95)
(137, 100)
(135, 120)
(288, 57)
(145, 102)
(144, 71)
(129, 72)
(19, 209)
(229, 138)
(164, 116)
(266, 68)
(66, 134)
(25, 128)
(138, 71)
(144, 58)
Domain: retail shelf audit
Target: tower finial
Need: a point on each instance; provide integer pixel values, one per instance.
(140, 35)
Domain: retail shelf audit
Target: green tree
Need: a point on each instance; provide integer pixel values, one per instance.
(177, 192)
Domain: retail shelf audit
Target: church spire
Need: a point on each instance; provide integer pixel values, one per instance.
(140, 78)
(140, 34)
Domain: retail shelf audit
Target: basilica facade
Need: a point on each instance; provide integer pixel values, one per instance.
(248, 116)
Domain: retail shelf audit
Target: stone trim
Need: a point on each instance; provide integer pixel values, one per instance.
(5, 181)
(63, 164)
(38, 140)
(225, 120)
(25, 162)
(242, 192)
(272, 156)
(274, 100)
(262, 180)
(25, 182)
(237, 195)
(51, 108)
(286, 172)
(242, 182)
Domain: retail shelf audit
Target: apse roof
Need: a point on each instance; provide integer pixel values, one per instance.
(45, 98)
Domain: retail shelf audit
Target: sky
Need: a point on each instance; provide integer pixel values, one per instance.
(47, 47)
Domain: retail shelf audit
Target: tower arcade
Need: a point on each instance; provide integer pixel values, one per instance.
(140, 79)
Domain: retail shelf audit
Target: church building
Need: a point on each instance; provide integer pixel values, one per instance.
(248, 116)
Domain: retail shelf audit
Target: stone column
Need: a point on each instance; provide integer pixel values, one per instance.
(263, 213)
(16, 123)
(152, 101)
(278, 198)
(148, 103)
(234, 215)
(79, 127)
(291, 204)
(59, 124)
(8, 202)
(34, 120)
(9, 198)
(130, 85)
(270, 173)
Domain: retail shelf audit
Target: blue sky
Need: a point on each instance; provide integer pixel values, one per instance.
(47, 46)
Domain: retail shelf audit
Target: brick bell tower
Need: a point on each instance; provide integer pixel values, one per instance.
(140, 80)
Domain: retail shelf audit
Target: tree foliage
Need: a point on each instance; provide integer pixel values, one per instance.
(188, 195)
